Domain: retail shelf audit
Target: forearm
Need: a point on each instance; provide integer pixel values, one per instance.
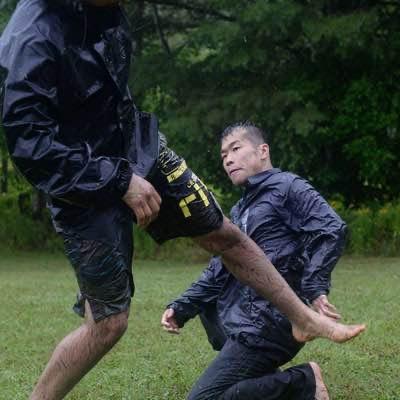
(324, 253)
(70, 173)
(202, 294)
(322, 233)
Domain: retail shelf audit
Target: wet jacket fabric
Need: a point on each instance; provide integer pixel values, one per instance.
(301, 235)
(70, 123)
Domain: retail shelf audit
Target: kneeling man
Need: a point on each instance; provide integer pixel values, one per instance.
(303, 237)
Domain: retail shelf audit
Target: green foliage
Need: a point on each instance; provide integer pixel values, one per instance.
(18, 230)
(173, 250)
(321, 76)
(374, 230)
(367, 125)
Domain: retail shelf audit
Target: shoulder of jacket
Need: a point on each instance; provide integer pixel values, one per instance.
(32, 26)
(35, 21)
(289, 179)
(280, 181)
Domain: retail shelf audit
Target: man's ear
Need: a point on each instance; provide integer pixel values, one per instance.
(264, 151)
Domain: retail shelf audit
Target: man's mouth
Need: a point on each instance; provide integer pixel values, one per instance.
(233, 171)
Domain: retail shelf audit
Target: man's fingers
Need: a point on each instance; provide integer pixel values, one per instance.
(143, 199)
(331, 311)
(154, 205)
(164, 321)
(155, 208)
(153, 197)
(330, 314)
(168, 322)
(172, 323)
(140, 217)
(331, 306)
(157, 198)
(175, 331)
(151, 208)
(148, 215)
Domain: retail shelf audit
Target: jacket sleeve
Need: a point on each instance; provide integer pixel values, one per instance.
(201, 294)
(30, 117)
(322, 232)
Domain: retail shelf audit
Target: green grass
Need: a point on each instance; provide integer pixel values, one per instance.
(37, 291)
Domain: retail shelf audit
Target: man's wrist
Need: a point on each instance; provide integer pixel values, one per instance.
(123, 178)
(180, 316)
(314, 296)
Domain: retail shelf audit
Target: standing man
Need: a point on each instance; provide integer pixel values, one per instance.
(304, 238)
(73, 131)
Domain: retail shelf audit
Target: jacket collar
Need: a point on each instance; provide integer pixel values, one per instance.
(261, 177)
(71, 6)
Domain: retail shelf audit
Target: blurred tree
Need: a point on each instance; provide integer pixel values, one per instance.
(321, 76)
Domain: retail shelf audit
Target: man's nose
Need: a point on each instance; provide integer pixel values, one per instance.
(228, 160)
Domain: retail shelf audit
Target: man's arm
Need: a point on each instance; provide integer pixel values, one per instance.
(323, 233)
(197, 298)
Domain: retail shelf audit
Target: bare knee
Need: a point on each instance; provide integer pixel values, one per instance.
(109, 330)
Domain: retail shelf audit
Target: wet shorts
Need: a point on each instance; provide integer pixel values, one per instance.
(188, 208)
(99, 243)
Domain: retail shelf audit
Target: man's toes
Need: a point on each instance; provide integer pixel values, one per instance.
(343, 333)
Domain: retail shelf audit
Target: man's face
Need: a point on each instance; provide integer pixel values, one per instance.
(102, 3)
(242, 158)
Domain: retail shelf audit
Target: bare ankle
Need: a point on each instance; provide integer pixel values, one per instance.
(321, 392)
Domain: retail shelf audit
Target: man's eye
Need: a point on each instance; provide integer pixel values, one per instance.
(235, 148)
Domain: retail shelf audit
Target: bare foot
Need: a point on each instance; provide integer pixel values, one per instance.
(322, 326)
(321, 392)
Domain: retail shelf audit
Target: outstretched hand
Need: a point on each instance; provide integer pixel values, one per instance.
(143, 199)
(168, 321)
(322, 306)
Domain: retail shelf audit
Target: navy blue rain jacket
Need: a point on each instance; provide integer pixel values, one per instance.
(70, 123)
(301, 235)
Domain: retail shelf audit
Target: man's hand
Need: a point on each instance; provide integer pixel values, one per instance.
(143, 199)
(322, 306)
(168, 321)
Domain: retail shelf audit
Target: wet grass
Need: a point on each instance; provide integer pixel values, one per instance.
(37, 291)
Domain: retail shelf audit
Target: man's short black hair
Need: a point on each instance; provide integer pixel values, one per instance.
(254, 133)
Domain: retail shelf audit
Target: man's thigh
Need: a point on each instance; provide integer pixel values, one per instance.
(188, 208)
(234, 363)
(99, 247)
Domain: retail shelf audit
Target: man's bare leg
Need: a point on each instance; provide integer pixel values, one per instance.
(77, 353)
(249, 265)
(321, 392)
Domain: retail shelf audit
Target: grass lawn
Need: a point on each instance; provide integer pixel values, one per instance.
(37, 291)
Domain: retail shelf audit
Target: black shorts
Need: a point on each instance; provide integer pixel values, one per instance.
(188, 208)
(99, 243)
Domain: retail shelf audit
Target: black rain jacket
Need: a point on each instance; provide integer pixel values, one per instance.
(70, 123)
(301, 235)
